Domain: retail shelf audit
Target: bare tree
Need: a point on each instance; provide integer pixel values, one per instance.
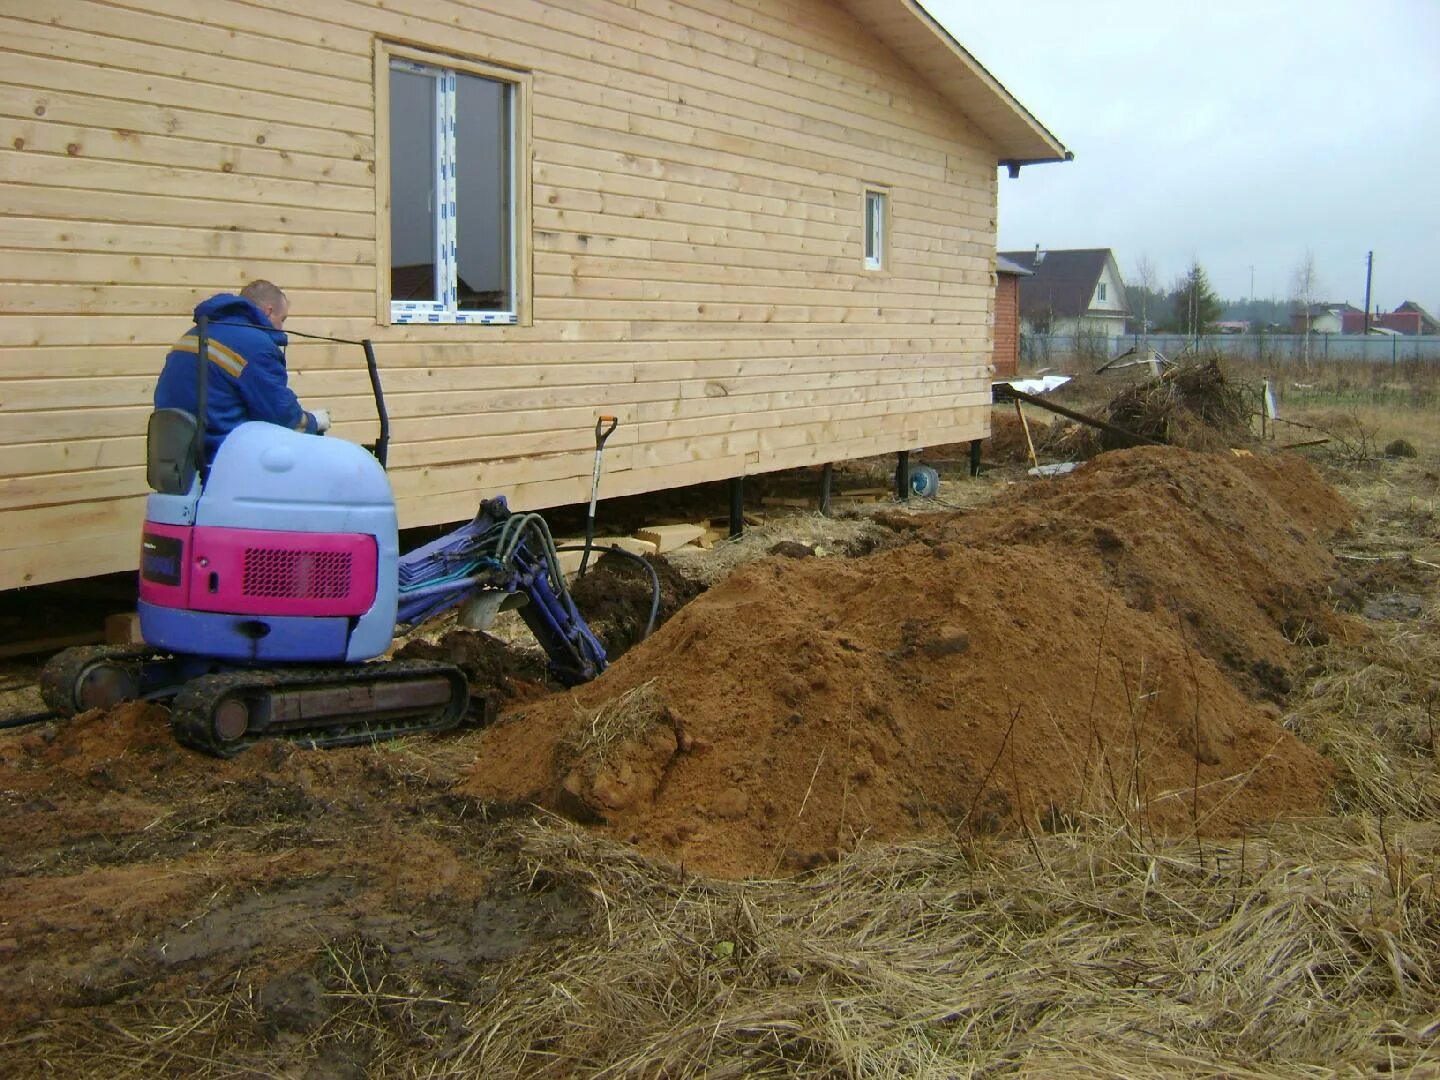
(1148, 279)
(1304, 287)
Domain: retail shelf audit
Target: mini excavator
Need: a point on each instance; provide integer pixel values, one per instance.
(271, 580)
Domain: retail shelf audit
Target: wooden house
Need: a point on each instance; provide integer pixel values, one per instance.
(760, 232)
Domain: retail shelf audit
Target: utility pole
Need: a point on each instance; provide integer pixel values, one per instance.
(1369, 269)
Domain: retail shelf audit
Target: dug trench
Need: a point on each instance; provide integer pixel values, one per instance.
(1112, 645)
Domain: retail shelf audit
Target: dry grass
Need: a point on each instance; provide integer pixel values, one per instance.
(624, 719)
(1077, 955)
(1308, 951)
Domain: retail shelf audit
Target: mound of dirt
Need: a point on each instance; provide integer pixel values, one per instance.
(1084, 646)
(1225, 548)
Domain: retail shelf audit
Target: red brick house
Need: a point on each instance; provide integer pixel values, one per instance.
(1409, 319)
(1007, 316)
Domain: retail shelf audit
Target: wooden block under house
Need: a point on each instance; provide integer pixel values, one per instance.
(669, 537)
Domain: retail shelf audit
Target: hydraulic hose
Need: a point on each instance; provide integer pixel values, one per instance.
(654, 578)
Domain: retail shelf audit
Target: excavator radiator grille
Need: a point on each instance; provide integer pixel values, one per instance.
(277, 573)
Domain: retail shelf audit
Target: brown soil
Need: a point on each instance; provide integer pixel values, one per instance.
(1102, 643)
(134, 870)
(518, 674)
(616, 594)
(1098, 643)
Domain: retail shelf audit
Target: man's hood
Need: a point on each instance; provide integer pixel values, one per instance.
(229, 308)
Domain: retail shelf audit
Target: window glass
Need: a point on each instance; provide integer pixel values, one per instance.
(453, 207)
(874, 230)
(483, 213)
(413, 275)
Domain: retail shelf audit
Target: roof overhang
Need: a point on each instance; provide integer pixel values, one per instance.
(914, 34)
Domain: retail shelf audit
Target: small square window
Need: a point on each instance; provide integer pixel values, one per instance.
(876, 213)
(453, 206)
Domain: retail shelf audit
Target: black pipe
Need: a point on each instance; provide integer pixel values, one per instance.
(737, 507)
(1006, 392)
(382, 444)
(975, 457)
(27, 718)
(827, 476)
(902, 475)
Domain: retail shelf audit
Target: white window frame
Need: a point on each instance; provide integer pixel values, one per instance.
(1100, 291)
(877, 228)
(445, 71)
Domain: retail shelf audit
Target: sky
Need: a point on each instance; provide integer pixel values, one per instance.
(1238, 134)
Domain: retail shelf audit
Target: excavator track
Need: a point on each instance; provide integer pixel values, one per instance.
(93, 677)
(321, 707)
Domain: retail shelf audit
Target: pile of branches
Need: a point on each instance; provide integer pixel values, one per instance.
(1192, 405)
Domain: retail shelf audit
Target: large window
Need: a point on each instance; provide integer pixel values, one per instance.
(455, 220)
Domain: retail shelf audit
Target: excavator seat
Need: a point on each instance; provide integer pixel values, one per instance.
(171, 451)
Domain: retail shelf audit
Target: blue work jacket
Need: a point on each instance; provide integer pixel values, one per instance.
(246, 379)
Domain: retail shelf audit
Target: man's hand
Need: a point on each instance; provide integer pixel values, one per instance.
(322, 420)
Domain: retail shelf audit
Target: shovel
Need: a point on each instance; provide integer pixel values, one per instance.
(604, 428)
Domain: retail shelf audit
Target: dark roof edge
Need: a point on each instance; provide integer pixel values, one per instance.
(997, 87)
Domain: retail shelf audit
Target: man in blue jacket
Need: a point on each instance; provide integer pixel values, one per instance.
(247, 378)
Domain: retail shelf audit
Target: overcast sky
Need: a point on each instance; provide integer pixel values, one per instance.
(1236, 133)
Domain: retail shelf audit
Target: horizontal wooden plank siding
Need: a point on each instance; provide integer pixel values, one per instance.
(694, 252)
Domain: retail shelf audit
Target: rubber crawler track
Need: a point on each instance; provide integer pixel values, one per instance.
(59, 678)
(192, 712)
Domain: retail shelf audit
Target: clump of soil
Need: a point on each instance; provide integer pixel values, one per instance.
(488, 663)
(616, 596)
(1094, 646)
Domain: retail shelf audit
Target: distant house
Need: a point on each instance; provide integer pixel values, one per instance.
(1329, 317)
(1409, 318)
(1007, 316)
(1075, 291)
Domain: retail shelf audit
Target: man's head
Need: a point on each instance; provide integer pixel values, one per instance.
(269, 299)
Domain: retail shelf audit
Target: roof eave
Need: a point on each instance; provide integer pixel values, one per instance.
(912, 32)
